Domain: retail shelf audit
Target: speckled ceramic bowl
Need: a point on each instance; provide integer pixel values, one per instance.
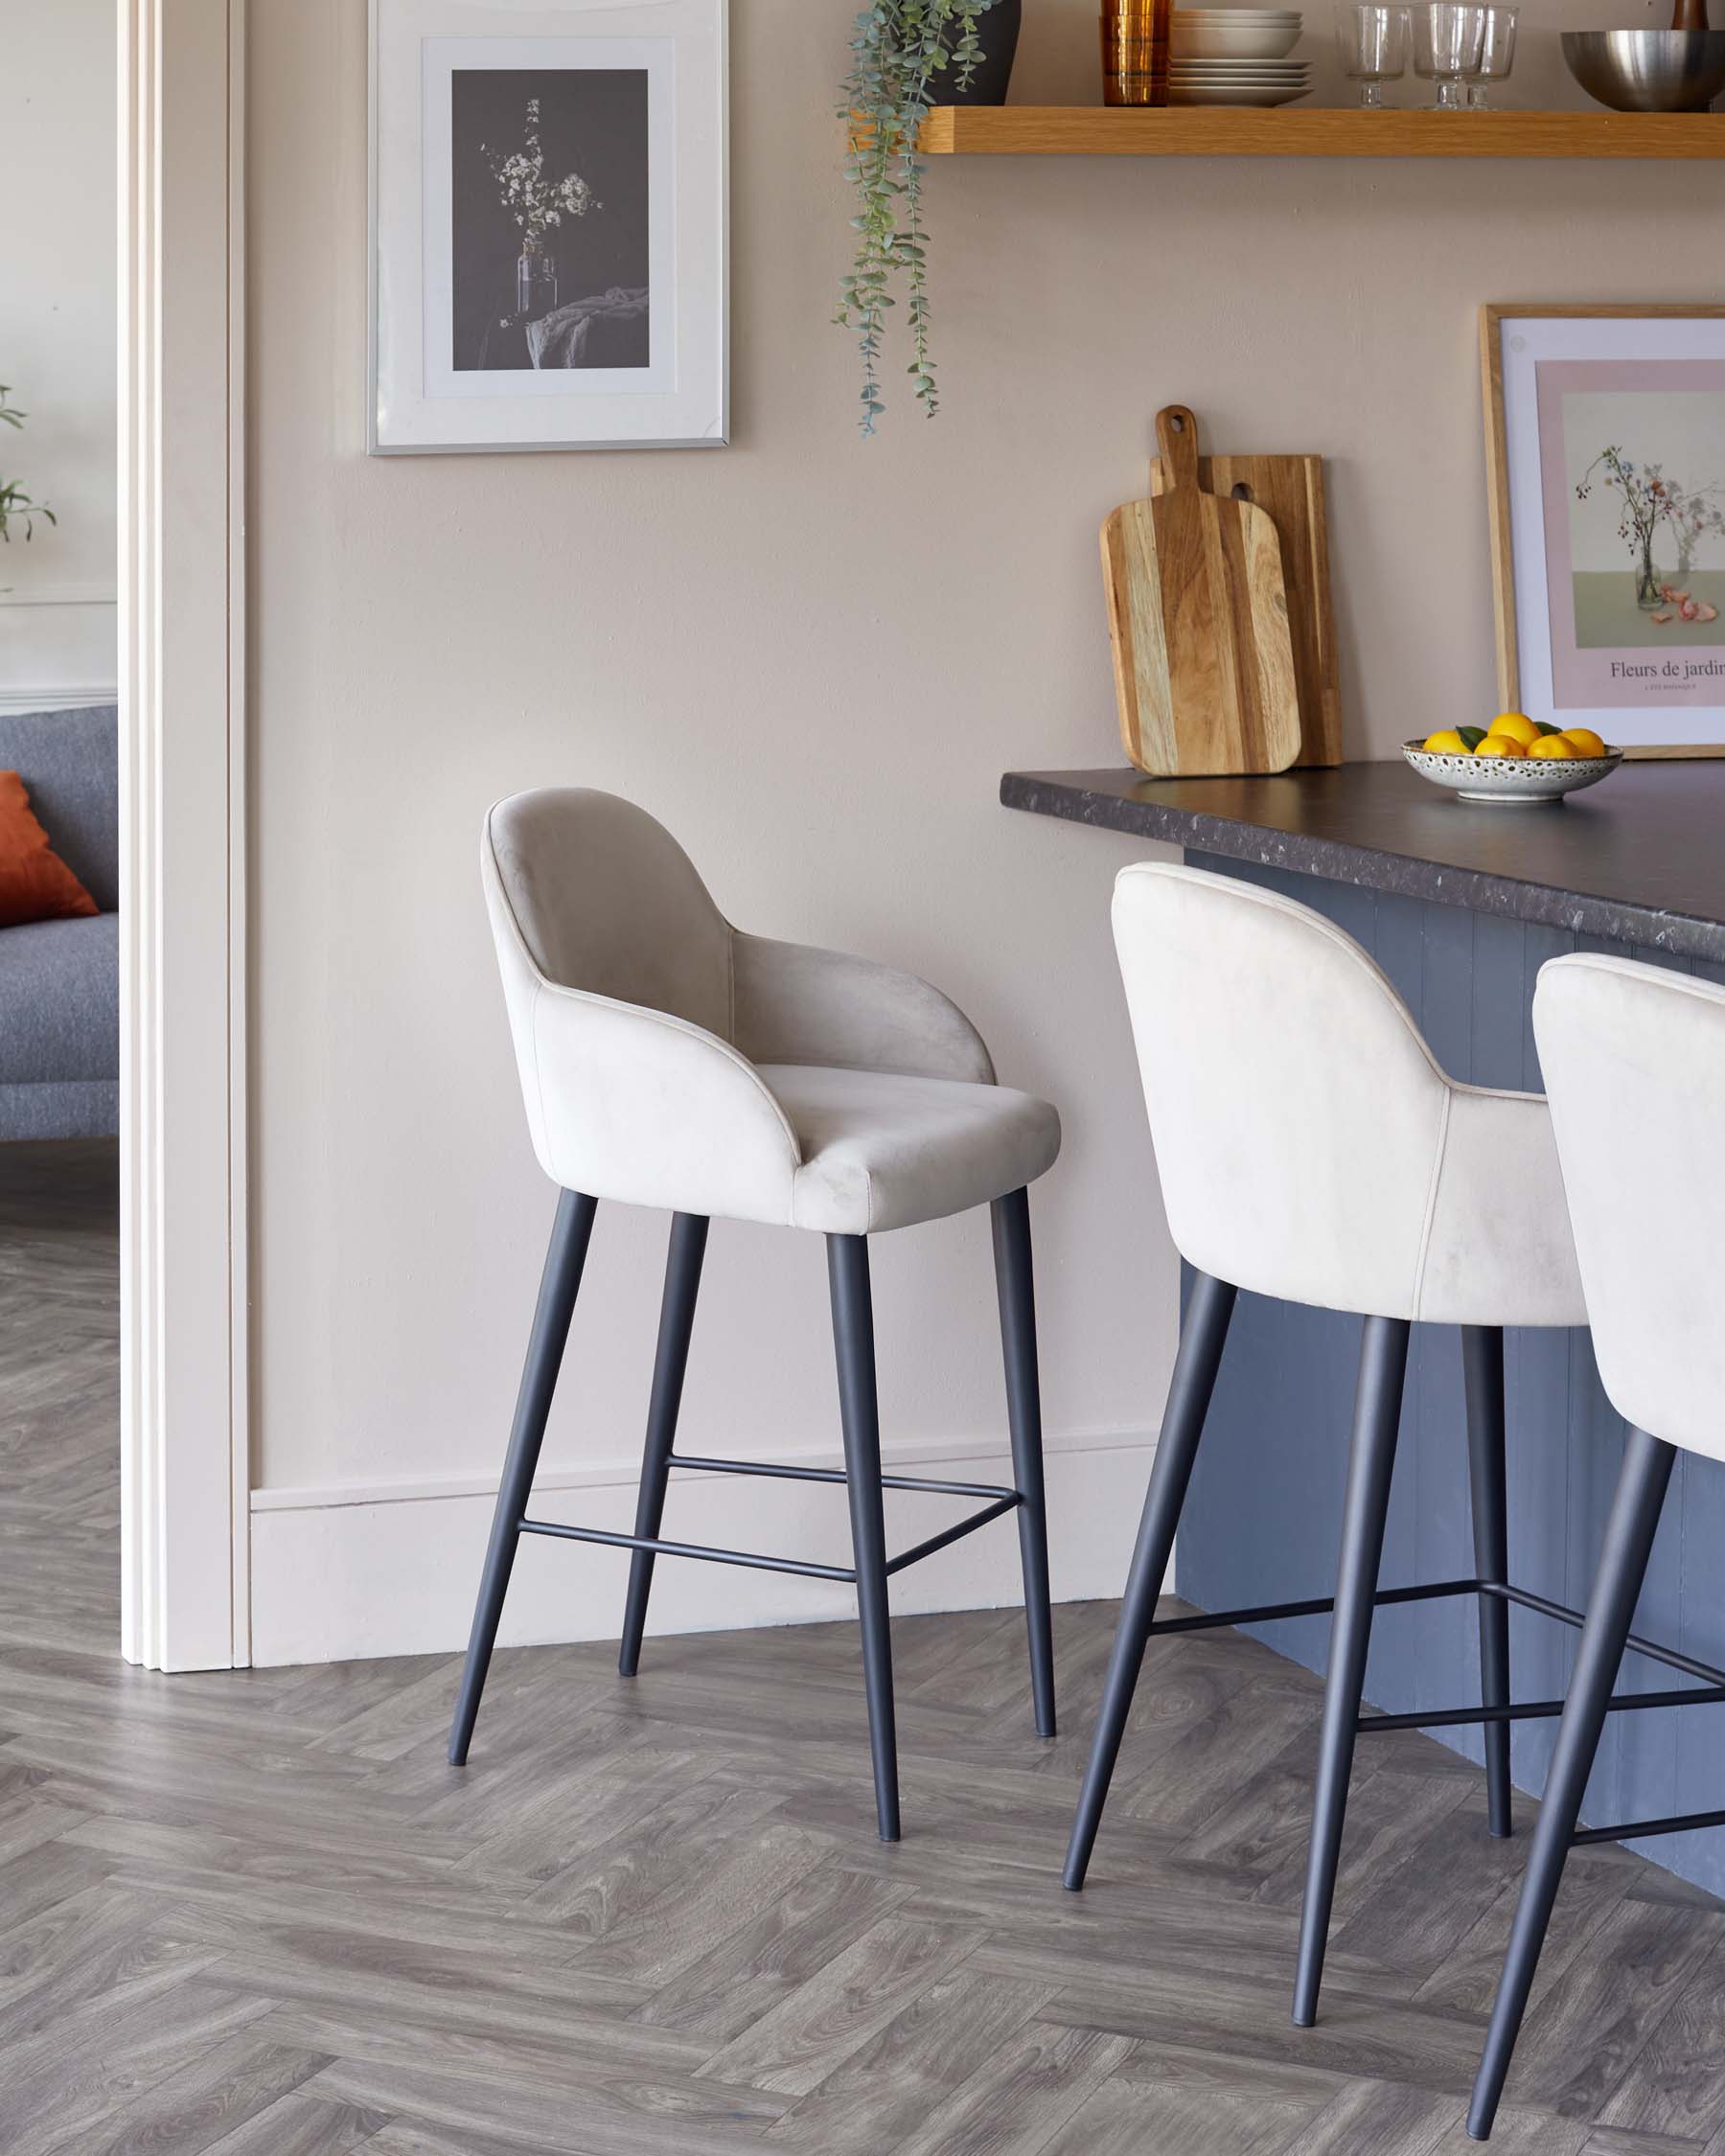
(1507, 781)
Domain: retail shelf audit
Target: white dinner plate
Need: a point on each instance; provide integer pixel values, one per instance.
(1242, 93)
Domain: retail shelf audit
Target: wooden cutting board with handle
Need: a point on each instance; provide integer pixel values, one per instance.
(1204, 658)
(1290, 489)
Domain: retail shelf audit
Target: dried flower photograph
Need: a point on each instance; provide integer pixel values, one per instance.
(549, 219)
(1646, 516)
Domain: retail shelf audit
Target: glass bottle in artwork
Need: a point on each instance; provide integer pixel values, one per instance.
(536, 280)
(1648, 594)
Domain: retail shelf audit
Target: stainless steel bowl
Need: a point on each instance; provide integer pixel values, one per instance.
(1649, 70)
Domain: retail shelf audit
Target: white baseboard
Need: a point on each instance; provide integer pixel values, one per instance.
(56, 698)
(358, 1569)
(58, 595)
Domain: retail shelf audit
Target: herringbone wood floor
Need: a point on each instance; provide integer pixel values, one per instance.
(255, 1914)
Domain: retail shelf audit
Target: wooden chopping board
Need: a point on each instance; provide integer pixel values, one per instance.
(1198, 610)
(1290, 489)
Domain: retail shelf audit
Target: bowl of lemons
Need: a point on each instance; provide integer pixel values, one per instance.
(1515, 759)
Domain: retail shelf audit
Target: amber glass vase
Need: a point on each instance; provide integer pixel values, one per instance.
(1135, 51)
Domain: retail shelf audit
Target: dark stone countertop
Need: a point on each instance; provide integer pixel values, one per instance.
(1639, 859)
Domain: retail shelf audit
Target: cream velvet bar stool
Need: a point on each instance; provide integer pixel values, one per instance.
(1638, 1054)
(1310, 1148)
(667, 1058)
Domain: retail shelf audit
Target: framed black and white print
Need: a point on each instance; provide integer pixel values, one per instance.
(548, 225)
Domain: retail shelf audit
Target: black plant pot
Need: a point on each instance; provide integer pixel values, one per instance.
(997, 35)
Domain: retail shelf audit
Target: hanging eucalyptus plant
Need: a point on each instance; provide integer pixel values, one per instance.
(899, 49)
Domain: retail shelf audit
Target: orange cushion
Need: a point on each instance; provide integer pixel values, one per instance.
(34, 883)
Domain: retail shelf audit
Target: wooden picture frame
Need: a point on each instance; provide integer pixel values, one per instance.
(1555, 645)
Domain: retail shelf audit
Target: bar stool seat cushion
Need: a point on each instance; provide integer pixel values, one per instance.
(1309, 1145)
(879, 1151)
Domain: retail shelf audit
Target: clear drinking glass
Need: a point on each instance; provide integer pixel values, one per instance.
(1449, 37)
(1497, 56)
(1371, 44)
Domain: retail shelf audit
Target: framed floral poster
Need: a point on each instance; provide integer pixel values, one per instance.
(1606, 430)
(548, 225)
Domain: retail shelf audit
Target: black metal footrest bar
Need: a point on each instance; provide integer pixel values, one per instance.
(838, 1475)
(1007, 1503)
(1710, 1692)
(662, 1548)
(1534, 1711)
(1001, 1501)
(1634, 1644)
(1636, 1830)
(1266, 1613)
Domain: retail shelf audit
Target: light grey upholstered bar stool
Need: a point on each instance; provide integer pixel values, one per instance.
(667, 1058)
(1634, 1059)
(1310, 1148)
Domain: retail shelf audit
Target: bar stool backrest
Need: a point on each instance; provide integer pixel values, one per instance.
(606, 901)
(1634, 1063)
(1297, 1112)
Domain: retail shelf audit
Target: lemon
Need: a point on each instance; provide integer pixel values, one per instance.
(1448, 743)
(1553, 749)
(1514, 725)
(1500, 744)
(1584, 741)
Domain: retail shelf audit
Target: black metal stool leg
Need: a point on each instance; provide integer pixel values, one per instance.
(570, 1233)
(1629, 1533)
(1195, 1367)
(671, 1359)
(1483, 1368)
(853, 1339)
(1015, 1282)
(1377, 1418)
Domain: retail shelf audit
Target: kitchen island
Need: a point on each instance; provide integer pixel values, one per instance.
(1461, 904)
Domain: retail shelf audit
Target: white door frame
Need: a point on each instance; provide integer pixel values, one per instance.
(185, 1480)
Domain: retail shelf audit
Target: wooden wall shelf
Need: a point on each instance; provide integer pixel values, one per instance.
(1077, 130)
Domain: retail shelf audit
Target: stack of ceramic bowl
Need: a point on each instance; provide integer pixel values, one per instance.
(1236, 55)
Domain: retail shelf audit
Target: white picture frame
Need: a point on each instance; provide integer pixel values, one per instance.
(1610, 615)
(588, 308)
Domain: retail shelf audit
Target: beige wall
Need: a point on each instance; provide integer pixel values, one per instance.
(56, 347)
(813, 658)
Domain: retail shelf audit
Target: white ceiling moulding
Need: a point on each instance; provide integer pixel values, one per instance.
(185, 1485)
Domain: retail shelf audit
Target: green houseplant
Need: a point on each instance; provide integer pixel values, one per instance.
(16, 505)
(900, 52)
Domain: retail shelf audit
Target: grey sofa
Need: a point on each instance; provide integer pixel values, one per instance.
(59, 980)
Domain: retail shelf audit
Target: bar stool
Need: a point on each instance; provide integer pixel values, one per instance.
(667, 1058)
(1638, 1055)
(1310, 1148)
